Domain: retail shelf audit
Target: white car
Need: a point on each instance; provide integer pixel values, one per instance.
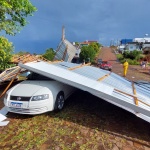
(38, 94)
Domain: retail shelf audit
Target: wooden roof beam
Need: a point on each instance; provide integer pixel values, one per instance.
(80, 66)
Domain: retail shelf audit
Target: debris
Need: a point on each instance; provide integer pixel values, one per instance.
(3, 112)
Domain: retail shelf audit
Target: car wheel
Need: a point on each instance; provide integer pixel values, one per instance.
(60, 100)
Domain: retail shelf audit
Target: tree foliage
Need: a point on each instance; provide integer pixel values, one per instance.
(87, 52)
(96, 46)
(13, 15)
(49, 54)
(77, 43)
(132, 54)
(6, 49)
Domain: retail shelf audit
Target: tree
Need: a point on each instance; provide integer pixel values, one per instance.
(20, 53)
(49, 54)
(6, 49)
(87, 52)
(77, 43)
(13, 15)
(95, 46)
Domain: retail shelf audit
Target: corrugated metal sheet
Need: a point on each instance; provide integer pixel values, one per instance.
(3, 112)
(65, 51)
(104, 84)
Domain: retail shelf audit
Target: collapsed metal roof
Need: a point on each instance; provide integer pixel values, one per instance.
(65, 51)
(104, 84)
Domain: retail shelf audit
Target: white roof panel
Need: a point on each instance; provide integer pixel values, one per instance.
(65, 51)
(104, 84)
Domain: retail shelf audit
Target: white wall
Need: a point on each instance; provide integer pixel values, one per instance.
(146, 45)
(132, 47)
(141, 40)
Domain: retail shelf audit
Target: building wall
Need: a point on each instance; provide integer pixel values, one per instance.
(141, 40)
(146, 45)
(132, 47)
(125, 41)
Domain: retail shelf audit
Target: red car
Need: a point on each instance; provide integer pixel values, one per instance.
(105, 65)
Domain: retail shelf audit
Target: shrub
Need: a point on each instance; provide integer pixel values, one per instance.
(140, 57)
(133, 62)
(120, 56)
(126, 54)
(132, 55)
(130, 61)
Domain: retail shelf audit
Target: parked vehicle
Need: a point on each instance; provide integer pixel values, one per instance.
(38, 94)
(105, 65)
(99, 61)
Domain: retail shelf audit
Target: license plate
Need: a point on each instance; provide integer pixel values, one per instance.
(14, 104)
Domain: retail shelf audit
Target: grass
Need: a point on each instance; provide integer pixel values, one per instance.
(86, 123)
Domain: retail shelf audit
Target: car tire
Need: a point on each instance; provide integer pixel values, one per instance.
(59, 103)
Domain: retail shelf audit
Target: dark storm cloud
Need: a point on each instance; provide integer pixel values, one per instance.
(101, 20)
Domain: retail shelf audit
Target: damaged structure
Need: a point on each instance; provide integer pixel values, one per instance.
(65, 50)
(133, 97)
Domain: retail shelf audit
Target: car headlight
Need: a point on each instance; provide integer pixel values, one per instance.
(40, 97)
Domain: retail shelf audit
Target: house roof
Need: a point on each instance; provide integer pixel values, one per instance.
(65, 51)
(93, 41)
(88, 42)
(132, 43)
(26, 58)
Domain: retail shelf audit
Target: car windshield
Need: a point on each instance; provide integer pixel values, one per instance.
(99, 60)
(36, 76)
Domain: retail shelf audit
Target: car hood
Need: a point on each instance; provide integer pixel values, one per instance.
(27, 88)
(107, 65)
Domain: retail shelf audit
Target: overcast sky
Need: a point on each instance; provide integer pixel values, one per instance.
(101, 20)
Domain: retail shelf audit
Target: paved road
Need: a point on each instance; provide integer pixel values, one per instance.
(134, 73)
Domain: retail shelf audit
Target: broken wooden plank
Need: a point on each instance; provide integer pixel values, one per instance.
(134, 92)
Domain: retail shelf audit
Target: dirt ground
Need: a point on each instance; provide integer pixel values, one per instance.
(86, 123)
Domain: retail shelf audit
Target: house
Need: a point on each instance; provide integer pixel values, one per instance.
(125, 41)
(65, 50)
(121, 48)
(146, 47)
(86, 43)
(144, 44)
(131, 46)
(141, 40)
(135, 44)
